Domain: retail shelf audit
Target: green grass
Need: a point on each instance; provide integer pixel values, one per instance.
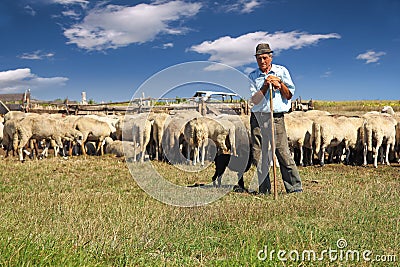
(355, 107)
(90, 212)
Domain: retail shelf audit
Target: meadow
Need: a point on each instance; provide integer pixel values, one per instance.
(89, 211)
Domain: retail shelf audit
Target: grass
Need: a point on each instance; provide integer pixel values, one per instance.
(355, 107)
(90, 212)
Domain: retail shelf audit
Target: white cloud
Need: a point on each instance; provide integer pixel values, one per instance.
(371, 56)
(249, 6)
(71, 2)
(240, 6)
(19, 80)
(240, 51)
(37, 55)
(167, 45)
(115, 26)
(72, 14)
(30, 10)
(327, 74)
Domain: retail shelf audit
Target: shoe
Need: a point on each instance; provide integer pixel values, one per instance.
(239, 189)
(296, 191)
(255, 193)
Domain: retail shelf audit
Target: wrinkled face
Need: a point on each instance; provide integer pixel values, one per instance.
(264, 61)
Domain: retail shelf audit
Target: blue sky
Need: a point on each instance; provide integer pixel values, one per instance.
(335, 50)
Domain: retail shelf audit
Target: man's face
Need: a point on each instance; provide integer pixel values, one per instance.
(263, 61)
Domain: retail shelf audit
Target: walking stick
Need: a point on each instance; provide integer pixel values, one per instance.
(271, 105)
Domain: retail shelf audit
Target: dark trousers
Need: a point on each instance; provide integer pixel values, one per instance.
(261, 136)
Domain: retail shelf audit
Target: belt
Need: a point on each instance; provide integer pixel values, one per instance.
(275, 114)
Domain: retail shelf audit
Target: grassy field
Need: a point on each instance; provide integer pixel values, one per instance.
(90, 212)
(353, 108)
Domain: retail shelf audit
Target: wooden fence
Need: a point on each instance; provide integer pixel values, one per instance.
(139, 105)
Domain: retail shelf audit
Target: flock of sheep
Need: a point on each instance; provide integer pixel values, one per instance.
(354, 140)
(189, 137)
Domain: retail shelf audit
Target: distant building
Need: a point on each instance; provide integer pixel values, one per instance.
(13, 98)
(14, 101)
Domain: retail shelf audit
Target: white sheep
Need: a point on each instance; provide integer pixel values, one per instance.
(92, 130)
(311, 113)
(10, 136)
(230, 127)
(114, 147)
(331, 131)
(14, 115)
(379, 129)
(173, 138)
(300, 135)
(242, 130)
(137, 129)
(110, 120)
(40, 127)
(158, 131)
(389, 110)
(196, 135)
(217, 133)
(1, 133)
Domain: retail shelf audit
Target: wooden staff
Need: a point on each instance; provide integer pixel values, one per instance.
(271, 105)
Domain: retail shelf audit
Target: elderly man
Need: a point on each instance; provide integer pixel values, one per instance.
(283, 90)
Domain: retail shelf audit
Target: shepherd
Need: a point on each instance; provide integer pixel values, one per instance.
(271, 86)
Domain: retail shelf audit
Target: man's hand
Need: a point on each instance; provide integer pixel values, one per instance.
(275, 81)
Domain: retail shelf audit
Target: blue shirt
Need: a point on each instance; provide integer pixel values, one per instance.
(281, 104)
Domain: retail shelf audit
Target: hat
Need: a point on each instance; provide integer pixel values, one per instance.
(263, 48)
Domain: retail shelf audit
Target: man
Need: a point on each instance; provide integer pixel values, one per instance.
(283, 90)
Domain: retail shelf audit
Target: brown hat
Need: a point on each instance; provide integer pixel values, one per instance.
(263, 48)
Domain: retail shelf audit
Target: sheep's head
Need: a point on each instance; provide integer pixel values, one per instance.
(388, 109)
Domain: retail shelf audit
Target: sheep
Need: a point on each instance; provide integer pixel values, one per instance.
(113, 147)
(10, 141)
(217, 133)
(310, 113)
(196, 135)
(14, 115)
(331, 131)
(173, 138)
(379, 129)
(389, 110)
(10, 136)
(398, 140)
(137, 129)
(158, 131)
(141, 132)
(65, 130)
(354, 136)
(244, 158)
(92, 130)
(41, 127)
(110, 120)
(300, 135)
(230, 127)
(1, 133)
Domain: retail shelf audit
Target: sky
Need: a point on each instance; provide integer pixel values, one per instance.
(115, 50)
